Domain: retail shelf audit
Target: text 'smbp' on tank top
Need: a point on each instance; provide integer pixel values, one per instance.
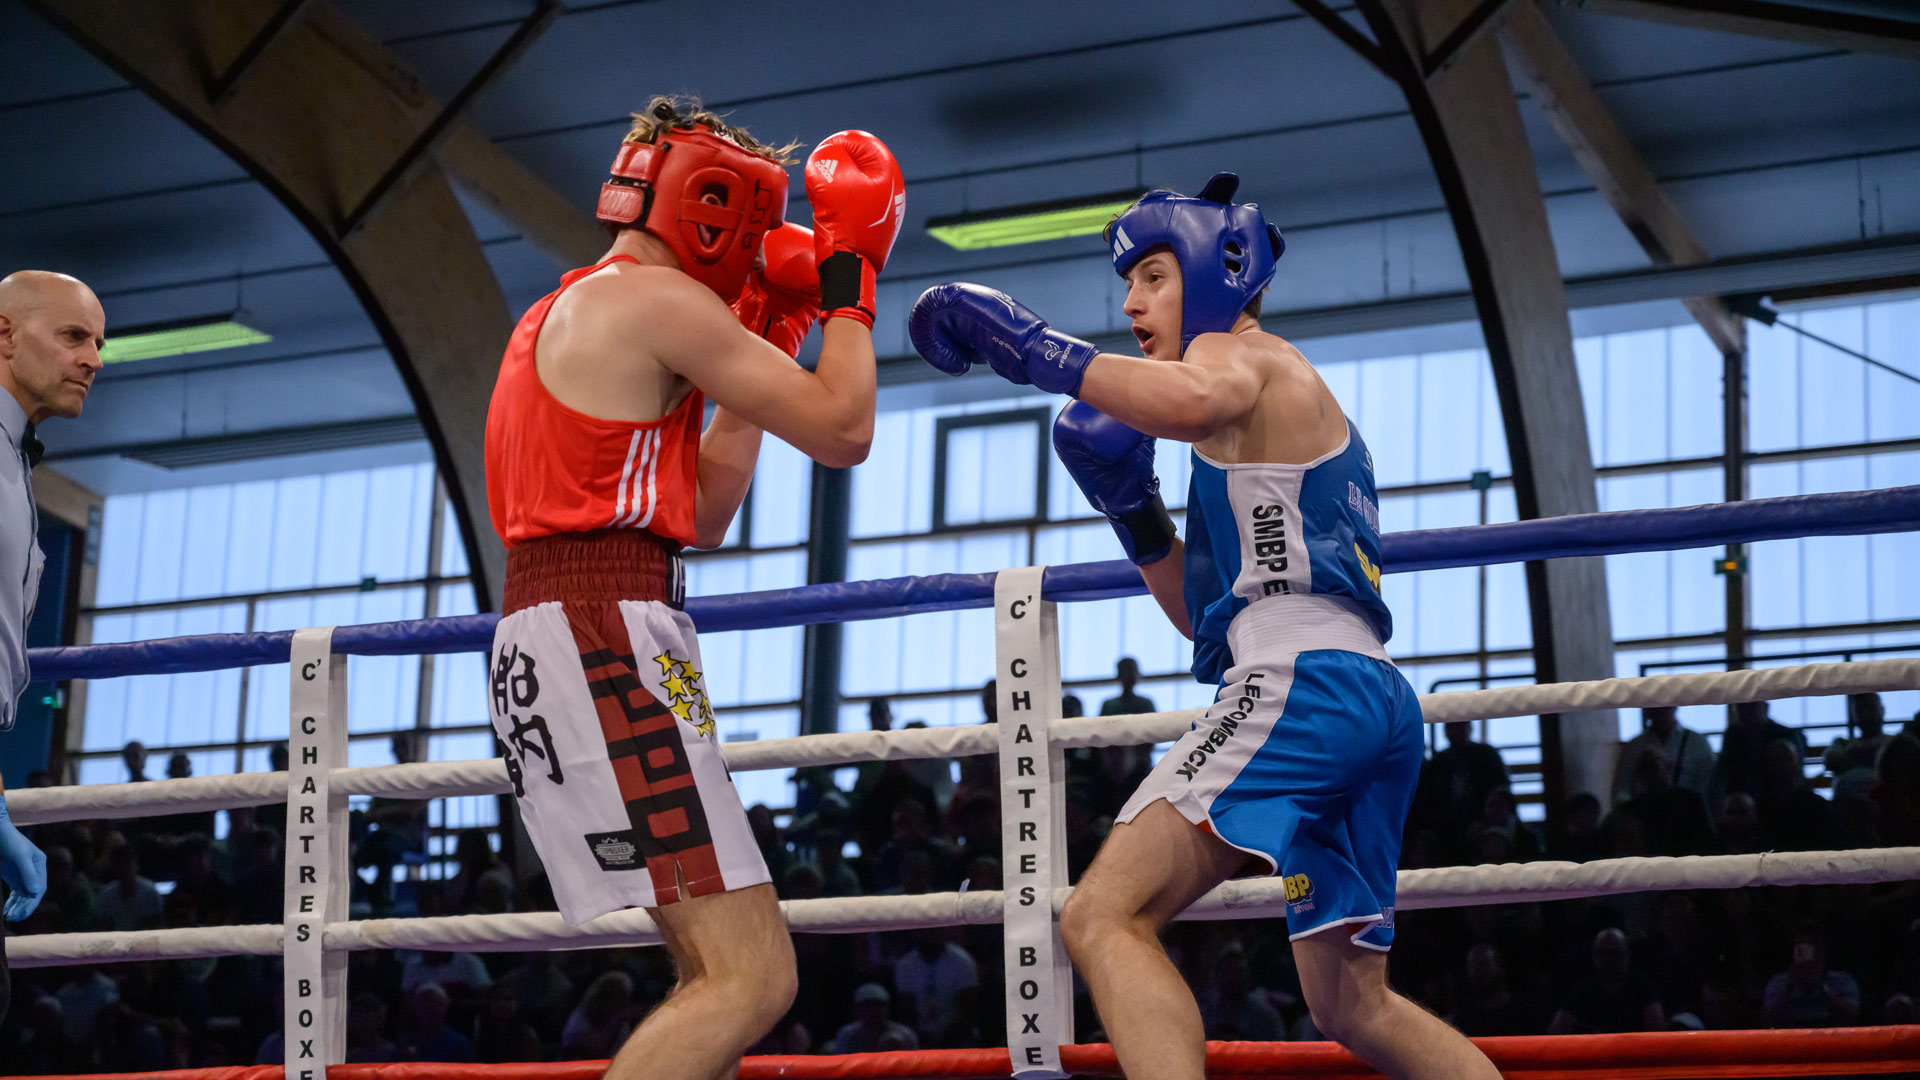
(1259, 533)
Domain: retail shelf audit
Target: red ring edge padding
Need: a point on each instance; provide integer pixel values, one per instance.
(1662, 1055)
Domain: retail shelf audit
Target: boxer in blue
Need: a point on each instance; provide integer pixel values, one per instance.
(1305, 765)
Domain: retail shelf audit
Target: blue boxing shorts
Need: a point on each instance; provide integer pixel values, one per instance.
(1307, 761)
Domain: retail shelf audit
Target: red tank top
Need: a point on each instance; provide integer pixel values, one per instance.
(552, 469)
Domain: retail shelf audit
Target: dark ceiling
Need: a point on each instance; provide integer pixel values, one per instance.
(1768, 146)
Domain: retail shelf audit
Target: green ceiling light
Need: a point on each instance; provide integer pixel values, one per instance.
(151, 343)
(1030, 224)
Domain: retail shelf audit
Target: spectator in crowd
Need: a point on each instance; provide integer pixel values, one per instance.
(261, 889)
(1852, 760)
(544, 992)
(768, 838)
(602, 1020)
(1499, 821)
(1808, 994)
(939, 989)
(1613, 997)
(1679, 959)
(875, 810)
(367, 1030)
(460, 974)
(1580, 839)
(1488, 1005)
(501, 1032)
(212, 899)
(44, 1047)
(480, 871)
(1744, 744)
(990, 702)
(837, 879)
(128, 902)
(274, 815)
(867, 773)
(1688, 757)
(172, 827)
(1129, 701)
(87, 995)
(1674, 818)
(1071, 706)
(1738, 824)
(935, 774)
(431, 1038)
(393, 832)
(1455, 782)
(1233, 1008)
(872, 1029)
(68, 891)
(1896, 791)
(134, 756)
(1792, 816)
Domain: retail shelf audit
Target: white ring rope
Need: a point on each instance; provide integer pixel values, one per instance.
(1452, 886)
(488, 776)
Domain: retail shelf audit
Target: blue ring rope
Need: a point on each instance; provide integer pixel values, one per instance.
(1853, 513)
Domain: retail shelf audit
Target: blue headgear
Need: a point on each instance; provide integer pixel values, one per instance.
(1226, 252)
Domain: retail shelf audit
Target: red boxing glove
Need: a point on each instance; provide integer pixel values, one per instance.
(781, 301)
(858, 198)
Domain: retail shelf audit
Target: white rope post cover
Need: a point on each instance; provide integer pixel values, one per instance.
(1032, 826)
(316, 855)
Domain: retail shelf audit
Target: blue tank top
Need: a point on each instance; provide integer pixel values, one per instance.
(1260, 530)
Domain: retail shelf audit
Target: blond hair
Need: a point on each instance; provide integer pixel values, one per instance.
(674, 112)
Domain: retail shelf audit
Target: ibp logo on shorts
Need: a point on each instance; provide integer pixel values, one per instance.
(1299, 888)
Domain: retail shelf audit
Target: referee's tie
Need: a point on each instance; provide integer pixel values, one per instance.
(32, 447)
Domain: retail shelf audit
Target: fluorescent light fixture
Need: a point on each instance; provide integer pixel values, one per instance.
(1030, 224)
(151, 344)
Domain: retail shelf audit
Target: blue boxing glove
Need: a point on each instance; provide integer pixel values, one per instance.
(1113, 464)
(957, 325)
(22, 867)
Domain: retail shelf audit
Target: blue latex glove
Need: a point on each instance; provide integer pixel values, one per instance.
(957, 325)
(22, 867)
(1113, 464)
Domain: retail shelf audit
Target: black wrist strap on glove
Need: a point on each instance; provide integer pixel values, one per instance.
(1146, 531)
(840, 281)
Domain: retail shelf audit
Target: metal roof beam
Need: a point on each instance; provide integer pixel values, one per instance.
(1550, 75)
(1798, 23)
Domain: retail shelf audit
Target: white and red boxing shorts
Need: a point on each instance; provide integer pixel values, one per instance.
(600, 705)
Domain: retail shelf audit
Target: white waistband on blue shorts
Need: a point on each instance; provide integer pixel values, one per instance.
(1301, 622)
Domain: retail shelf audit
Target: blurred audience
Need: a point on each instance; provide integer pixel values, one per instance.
(1802, 957)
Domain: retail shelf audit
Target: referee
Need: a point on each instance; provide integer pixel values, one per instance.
(51, 330)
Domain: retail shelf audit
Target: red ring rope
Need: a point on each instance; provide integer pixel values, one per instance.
(1662, 1055)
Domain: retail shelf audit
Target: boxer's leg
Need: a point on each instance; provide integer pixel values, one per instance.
(736, 980)
(1147, 872)
(1345, 985)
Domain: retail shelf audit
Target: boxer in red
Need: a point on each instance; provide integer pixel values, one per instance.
(599, 472)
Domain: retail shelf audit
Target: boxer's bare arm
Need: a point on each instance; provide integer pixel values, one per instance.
(826, 413)
(729, 449)
(1166, 580)
(1214, 386)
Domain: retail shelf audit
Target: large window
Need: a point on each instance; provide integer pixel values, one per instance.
(970, 488)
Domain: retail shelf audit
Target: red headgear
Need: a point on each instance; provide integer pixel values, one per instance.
(704, 196)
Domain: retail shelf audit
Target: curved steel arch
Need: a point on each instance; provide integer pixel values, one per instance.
(1469, 121)
(317, 121)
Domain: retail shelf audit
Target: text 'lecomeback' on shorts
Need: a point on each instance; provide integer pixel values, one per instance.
(1307, 761)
